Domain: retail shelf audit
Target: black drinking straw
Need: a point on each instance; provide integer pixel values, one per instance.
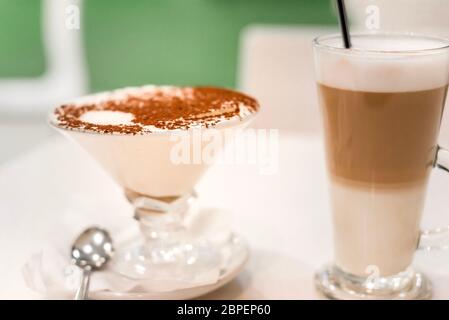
(344, 23)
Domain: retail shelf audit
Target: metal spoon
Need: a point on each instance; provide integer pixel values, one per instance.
(91, 251)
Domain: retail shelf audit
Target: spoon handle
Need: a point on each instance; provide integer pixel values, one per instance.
(81, 293)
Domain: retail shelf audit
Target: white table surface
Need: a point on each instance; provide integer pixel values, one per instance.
(284, 216)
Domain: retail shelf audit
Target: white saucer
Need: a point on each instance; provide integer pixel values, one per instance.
(51, 273)
(234, 266)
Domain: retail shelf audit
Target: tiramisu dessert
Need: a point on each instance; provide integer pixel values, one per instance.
(128, 131)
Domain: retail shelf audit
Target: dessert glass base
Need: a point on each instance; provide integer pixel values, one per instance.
(166, 251)
(334, 283)
(234, 256)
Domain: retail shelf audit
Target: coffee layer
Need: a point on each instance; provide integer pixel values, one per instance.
(152, 108)
(381, 137)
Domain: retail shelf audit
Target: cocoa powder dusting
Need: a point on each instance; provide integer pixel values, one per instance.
(165, 108)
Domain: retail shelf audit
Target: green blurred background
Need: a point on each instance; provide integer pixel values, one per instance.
(127, 43)
(152, 41)
(182, 42)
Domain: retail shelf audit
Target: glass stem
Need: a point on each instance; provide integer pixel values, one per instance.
(161, 218)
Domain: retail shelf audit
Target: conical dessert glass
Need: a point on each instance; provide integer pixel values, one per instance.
(159, 184)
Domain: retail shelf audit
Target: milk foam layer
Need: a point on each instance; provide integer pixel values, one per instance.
(383, 64)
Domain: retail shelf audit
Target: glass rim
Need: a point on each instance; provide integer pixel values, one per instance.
(318, 42)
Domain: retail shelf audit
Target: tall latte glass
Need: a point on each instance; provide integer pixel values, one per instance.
(381, 103)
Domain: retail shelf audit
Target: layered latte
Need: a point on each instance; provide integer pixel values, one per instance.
(381, 119)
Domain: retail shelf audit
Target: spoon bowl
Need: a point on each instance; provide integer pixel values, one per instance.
(91, 251)
(92, 248)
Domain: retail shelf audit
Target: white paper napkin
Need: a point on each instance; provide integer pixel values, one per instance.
(51, 273)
